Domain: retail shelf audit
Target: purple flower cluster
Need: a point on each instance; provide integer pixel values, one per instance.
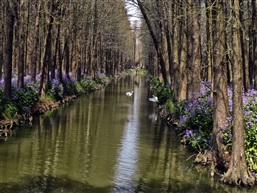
(197, 113)
(189, 133)
(55, 83)
(249, 100)
(198, 116)
(205, 88)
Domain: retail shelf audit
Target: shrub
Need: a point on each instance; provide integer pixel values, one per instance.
(171, 105)
(69, 86)
(87, 83)
(196, 119)
(10, 111)
(161, 91)
(24, 99)
(54, 90)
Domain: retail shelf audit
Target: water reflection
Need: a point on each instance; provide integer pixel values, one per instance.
(127, 158)
(103, 142)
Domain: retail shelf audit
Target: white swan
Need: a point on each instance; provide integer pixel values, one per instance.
(154, 99)
(129, 93)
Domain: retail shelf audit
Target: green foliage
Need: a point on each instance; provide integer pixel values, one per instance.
(51, 96)
(99, 80)
(251, 137)
(10, 111)
(41, 100)
(163, 93)
(196, 121)
(142, 72)
(79, 88)
(24, 99)
(54, 91)
(87, 84)
(128, 72)
(180, 109)
(171, 105)
(69, 87)
(250, 125)
(196, 139)
(251, 146)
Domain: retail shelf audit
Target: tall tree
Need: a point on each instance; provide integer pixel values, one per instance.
(10, 19)
(35, 52)
(220, 96)
(2, 37)
(156, 42)
(50, 7)
(238, 172)
(21, 39)
(180, 51)
(253, 41)
(193, 38)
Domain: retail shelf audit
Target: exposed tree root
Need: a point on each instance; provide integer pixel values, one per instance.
(208, 158)
(238, 176)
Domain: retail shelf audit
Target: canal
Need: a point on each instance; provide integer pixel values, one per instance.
(102, 142)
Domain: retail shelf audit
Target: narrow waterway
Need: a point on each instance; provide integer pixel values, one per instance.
(102, 142)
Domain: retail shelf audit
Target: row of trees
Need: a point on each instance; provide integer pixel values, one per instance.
(215, 40)
(55, 37)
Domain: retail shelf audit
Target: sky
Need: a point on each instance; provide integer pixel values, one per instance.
(133, 13)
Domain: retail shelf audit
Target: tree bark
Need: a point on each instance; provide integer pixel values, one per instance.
(2, 38)
(156, 43)
(9, 49)
(238, 172)
(220, 96)
(21, 34)
(47, 50)
(193, 62)
(35, 52)
(253, 37)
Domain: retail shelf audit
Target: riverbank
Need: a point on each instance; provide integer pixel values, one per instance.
(194, 121)
(14, 114)
(103, 141)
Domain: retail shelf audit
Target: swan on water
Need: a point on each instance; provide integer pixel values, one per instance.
(129, 93)
(154, 99)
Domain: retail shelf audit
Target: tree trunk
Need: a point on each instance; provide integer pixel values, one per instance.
(194, 63)
(245, 59)
(220, 96)
(2, 37)
(182, 93)
(254, 41)
(8, 50)
(176, 44)
(60, 57)
(238, 172)
(35, 52)
(47, 50)
(156, 43)
(67, 57)
(209, 35)
(21, 34)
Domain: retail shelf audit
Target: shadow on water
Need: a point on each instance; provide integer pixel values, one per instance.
(104, 142)
(50, 184)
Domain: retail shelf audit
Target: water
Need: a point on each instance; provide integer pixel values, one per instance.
(102, 142)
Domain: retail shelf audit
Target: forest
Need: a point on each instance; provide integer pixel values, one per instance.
(201, 55)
